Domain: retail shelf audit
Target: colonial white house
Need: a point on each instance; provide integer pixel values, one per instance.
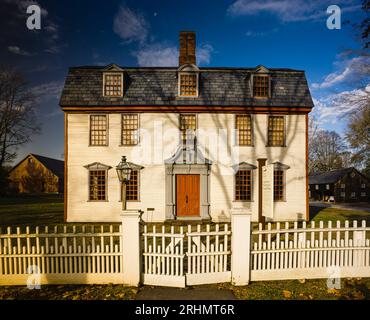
(202, 141)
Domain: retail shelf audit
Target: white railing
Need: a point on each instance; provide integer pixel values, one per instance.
(65, 254)
(292, 252)
(173, 257)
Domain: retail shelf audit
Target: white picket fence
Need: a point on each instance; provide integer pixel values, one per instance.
(292, 252)
(63, 255)
(135, 252)
(173, 257)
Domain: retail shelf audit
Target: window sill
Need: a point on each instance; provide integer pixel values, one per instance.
(100, 145)
(282, 146)
(236, 201)
(129, 145)
(97, 201)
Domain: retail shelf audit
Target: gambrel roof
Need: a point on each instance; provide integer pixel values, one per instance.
(153, 86)
(332, 176)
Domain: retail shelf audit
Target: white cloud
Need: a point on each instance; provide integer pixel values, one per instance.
(130, 26)
(251, 33)
(332, 108)
(204, 54)
(50, 90)
(161, 55)
(288, 10)
(157, 55)
(351, 71)
(18, 50)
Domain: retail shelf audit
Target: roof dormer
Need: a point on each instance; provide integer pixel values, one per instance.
(188, 81)
(113, 81)
(261, 83)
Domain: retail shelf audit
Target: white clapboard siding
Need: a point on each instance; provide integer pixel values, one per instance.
(292, 252)
(173, 257)
(64, 255)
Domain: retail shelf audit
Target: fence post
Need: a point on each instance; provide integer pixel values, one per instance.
(240, 246)
(131, 247)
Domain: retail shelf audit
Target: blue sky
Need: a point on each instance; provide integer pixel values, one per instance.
(238, 33)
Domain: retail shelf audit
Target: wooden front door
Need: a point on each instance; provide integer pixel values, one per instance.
(187, 195)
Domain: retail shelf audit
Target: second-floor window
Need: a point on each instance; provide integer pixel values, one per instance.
(99, 130)
(130, 129)
(188, 126)
(188, 85)
(261, 86)
(278, 185)
(113, 84)
(276, 131)
(243, 124)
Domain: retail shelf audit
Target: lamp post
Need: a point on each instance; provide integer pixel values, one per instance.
(124, 172)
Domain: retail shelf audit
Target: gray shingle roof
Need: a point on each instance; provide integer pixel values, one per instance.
(329, 177)
(158, 86)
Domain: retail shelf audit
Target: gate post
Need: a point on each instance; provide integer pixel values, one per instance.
(131, 253)
(240, 246)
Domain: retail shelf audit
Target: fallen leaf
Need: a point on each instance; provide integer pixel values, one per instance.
(302, 280)
(287, 294)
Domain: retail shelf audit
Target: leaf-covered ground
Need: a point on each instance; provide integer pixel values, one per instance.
(76, 292)
(351, 289)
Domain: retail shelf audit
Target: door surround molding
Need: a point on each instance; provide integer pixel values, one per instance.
(204, 174)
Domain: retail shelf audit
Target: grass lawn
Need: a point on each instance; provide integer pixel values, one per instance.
(31, 210)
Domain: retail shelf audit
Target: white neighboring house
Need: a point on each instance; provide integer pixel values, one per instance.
(198, 138)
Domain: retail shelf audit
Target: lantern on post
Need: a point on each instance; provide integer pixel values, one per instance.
(124, 173)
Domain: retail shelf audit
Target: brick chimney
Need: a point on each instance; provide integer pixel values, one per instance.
(187, 48)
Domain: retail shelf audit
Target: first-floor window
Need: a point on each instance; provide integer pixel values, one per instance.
(278, 185)
(97, 185)
(317, 187)
(243, 185)
(363, 194)
(327, 187)
(353, 194)
(132, 186)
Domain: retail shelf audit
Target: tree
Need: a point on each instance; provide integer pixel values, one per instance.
(327, 152)
(17, 114)
(358, 137)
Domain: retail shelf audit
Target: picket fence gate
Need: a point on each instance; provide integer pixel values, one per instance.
(186, 255)
(62, 255)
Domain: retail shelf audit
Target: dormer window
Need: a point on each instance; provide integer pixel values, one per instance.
(113, 84)
(188, 81)
(261, 86)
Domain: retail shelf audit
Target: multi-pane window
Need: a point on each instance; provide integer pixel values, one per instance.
(276, 131)
(278, 185)
(243, 125)
(243, 185)
(113, 84)
(260, 86)
(130, 129)
(363, 185)
(188, 125)
(132, 186)
(97, 185)
(188, 85)
(98, 130)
